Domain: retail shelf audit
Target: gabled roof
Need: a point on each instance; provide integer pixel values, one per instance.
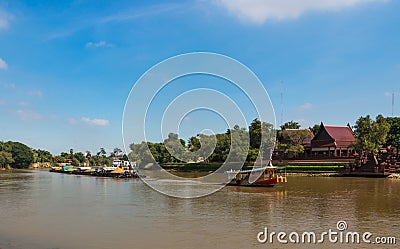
(338, 136)
(341, 133)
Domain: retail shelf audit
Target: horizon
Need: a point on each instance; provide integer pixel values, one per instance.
(67, 68)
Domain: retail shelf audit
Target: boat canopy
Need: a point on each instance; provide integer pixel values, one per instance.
(253, 170)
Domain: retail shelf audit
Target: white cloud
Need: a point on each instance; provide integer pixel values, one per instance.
(3, 64)
(5, 19)
(187, 119)
(23, 103)
(98, 44)
(95, 121)
(2, 102)
(305, 106)
(36, 93)
(259, 11)
(27, 115)
(73, 121)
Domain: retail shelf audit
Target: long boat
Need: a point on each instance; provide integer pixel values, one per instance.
(269, 177)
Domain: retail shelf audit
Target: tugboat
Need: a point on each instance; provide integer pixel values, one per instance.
(268, 178)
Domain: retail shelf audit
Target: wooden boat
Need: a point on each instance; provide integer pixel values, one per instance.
(268, 178)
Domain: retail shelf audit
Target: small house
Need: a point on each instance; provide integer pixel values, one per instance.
(333, 141)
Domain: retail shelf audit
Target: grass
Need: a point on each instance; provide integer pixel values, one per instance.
(312, 169)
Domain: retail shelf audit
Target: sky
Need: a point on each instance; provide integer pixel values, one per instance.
(67, 67)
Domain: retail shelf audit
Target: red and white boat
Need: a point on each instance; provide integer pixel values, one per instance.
(268, 178)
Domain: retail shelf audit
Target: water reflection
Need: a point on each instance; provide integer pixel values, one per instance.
(47, 210)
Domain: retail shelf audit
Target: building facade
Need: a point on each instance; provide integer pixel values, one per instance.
(333, 141)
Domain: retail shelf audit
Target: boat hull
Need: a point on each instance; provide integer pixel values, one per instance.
(261, 183)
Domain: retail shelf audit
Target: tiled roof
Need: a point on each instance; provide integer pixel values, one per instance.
(341, 133)
(329, 136)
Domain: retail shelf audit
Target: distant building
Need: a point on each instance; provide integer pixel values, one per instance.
(333, 141)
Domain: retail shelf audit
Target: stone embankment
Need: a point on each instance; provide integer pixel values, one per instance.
(41, 165)
(313, 174)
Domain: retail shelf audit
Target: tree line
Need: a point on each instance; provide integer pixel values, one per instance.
(239, 143)
(18, 155)
(371, 135)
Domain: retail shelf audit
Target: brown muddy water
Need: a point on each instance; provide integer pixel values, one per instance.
(42, 210)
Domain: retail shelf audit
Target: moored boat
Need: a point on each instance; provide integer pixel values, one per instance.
(269, 177)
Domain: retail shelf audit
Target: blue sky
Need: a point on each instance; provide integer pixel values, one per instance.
(66, 67)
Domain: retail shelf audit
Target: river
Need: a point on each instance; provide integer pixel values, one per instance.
(43, 210)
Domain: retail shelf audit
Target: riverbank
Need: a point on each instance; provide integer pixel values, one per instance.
(207, 167)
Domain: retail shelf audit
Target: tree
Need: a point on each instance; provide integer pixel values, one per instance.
(290, 125)
(60, 159)
(117, 152)
(268, 140)
(393, 136)
(239, 144)
(75, 162)
(42, 156)
(315, 128)
(141, 153)
(66, 155)
(174, 146)
(255, 134)
(22, 154)
(208, 144)
(222, 148)
(88, 154)
(371, 135)
(102, 152)
(194, 144)
(292, 150)
(296, 137)
(80, 157)
(5, 159)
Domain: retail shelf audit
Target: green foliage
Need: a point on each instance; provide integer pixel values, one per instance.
(5, 159)
(371, 135)
(252, 155)
(295, 137)
(80, 157)
(102, 152)
(393, 136)
(116, 152)
(315, 128)
(290, 125)
(255, 134)
(75, 162)
(60, 159)
(291, 150)
(239, 144)
(22, 155)
(235, 144)
(42, 156)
